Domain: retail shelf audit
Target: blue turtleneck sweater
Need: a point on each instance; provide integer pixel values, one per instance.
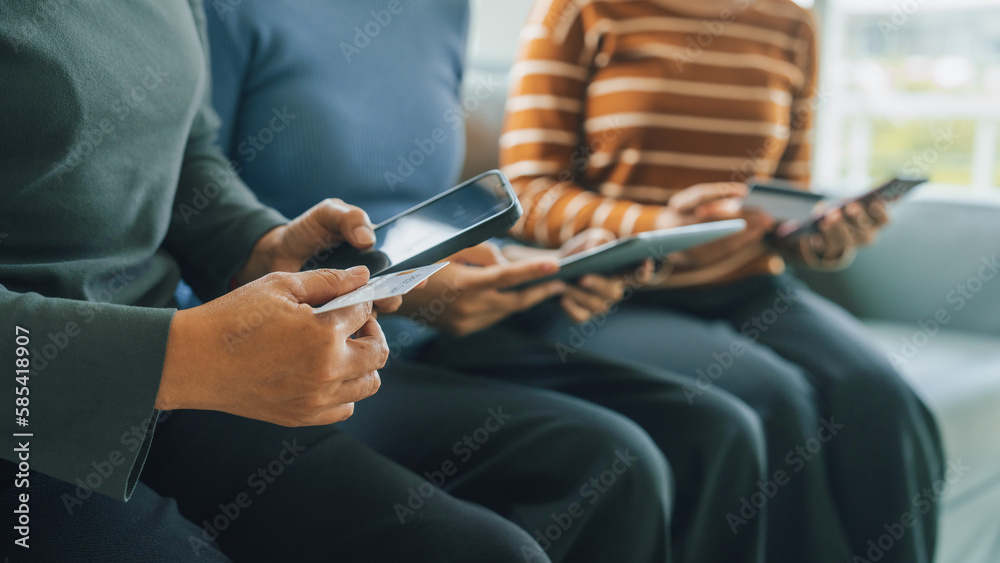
(352, 99)
(370, 91)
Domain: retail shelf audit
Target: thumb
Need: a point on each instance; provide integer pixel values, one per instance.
(316, 287)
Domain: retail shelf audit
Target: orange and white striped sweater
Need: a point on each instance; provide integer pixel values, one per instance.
(615, 105)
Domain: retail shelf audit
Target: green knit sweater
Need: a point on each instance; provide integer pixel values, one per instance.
(110, 188)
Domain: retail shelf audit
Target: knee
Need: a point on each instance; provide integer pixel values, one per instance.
(736, 433)
(872, 390)
(476, 534)
(629, 457)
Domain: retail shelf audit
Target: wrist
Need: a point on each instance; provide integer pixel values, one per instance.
(179, 384)
(262, 258)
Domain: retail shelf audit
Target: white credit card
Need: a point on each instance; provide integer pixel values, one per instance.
(783, 203)
(382, 287)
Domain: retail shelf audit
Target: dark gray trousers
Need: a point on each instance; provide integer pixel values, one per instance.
(218, 484)
(714, 446)
(852, 452)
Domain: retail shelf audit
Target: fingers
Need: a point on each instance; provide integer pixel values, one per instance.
(524, 299)
(390, 305)
(879, 213)
(834, 236)
(586, 240)
(359, 388)
(758, 219)
(605, 288)
(864, 222)
(687, 200)
(483, 254)
(593, 303)
(501, 276)
(576, 312)
(316, 287)
(369, 351)
(644, 273)
(333, 216)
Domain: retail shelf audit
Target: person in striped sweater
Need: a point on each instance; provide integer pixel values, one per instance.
(632, 115)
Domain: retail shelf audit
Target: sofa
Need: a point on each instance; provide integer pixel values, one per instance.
(929, 296)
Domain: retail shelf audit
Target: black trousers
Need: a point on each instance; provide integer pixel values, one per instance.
(715, 446)
(218, 487)
(852, 452)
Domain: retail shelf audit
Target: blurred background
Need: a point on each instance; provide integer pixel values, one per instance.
(905, 85)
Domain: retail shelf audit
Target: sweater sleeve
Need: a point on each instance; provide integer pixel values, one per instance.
(94, 373)
(794, 163)
(543, 150)
(216, 219)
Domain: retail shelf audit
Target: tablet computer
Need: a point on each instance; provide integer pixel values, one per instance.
(466, 215)
(615, 256)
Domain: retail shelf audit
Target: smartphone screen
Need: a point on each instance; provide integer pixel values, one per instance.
(426, 226)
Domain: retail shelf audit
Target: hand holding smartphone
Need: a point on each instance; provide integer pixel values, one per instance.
(466, 215)
(801, 212)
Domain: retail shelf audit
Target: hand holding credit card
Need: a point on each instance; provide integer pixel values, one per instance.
(382, 287)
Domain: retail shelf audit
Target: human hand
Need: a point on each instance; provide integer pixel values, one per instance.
(593, 294)
(286, 248)
(296, 368)
(470, 290)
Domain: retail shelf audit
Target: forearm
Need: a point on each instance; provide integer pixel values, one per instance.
(95, 371)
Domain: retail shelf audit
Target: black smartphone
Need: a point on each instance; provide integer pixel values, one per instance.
(466, 215)
(888, 192)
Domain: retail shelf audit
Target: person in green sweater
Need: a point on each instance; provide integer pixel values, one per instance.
(111, 188)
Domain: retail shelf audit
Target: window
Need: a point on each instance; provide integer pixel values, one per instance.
(907, 86)
(912, 86)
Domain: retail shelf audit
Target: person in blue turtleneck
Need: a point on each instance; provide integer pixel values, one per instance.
(360, 101)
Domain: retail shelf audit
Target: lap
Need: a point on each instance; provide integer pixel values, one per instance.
(701, 354)
(272, 493)
(72, 524)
